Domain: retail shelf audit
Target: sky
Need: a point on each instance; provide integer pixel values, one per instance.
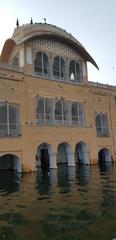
(92, 22)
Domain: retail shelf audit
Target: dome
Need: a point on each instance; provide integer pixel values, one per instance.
(29, 31)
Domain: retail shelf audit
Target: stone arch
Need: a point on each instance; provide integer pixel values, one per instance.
(64, 153)
(44, 156)
(104, 155)
(81, 153)
(41, 64)
(59, 67)
(10, 162)
(74, 71)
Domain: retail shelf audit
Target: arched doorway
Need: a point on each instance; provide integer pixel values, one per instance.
(81, 153)
(104, 155)
(10, 162)
(64, 155)
(44, 156)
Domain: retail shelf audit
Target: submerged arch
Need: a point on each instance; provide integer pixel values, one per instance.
(64, 153)
(81, 153)
(10, 162)
(104, 155)
(44, 156)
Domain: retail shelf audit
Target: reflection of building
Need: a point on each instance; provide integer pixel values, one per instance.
(48, 108)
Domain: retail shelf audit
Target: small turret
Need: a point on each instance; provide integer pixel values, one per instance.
(17, 23)
(45, 20)
(31, 22)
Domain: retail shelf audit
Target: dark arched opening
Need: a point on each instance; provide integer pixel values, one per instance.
(105, 160)
(64, 153)
(10, 162)
(44, 156)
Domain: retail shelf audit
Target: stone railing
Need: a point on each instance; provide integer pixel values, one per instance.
(59, 120)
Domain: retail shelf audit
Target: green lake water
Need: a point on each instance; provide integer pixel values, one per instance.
(69, 203)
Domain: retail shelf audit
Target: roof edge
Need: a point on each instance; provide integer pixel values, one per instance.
(7, 49)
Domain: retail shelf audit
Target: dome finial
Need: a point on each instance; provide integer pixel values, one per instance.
(17, 23)
(45, 20)
(31, 22)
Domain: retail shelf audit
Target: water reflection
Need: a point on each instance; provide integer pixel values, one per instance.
(46, 181)
(105, 166)
(9, 181)
(83, 174)
(66, 177)
(108, 204)
(66, 203)
(7, 233)
(43, 182)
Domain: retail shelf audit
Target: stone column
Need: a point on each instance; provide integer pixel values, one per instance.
(71, 159)
(22, 57)
(17, 164)
(53, 162)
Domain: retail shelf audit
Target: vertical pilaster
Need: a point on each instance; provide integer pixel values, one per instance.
(71, 159)
(53, 161)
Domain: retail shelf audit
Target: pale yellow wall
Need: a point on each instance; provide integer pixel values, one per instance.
(23, 89)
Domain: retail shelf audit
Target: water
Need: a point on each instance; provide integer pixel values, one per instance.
(67, 204)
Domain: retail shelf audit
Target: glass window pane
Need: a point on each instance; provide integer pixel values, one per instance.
(14, 119)
(58, 110)
(13, 114)
(62, 68)
(74, 112)
(38, 63)
(45, 63)
(72, 70)
(48, 106)
(3, 119)
(56, 67)
(40, 106)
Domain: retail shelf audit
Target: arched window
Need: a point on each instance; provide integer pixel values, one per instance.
(44, 111)
(102, 124)
(9, 119)
(41, 64)
(59, 67)
(78, 114)
(74, 71)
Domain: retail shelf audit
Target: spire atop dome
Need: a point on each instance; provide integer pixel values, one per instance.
(45, 20)
(31, 22)
(17, 22)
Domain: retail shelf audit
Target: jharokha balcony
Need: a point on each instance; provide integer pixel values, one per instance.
(59, 120)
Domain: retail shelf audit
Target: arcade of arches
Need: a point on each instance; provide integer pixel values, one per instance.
(46, 158)
(60, 69)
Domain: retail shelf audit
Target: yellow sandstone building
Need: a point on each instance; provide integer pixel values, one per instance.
(49, 112)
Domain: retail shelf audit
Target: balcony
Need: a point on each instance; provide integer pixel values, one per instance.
(59, 120)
